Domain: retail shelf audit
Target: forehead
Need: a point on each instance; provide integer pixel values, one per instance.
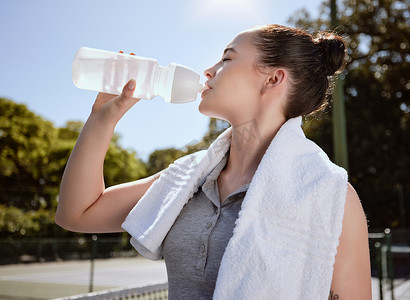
(242, 42)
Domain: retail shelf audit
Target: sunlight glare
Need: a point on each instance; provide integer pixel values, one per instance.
(224, 11)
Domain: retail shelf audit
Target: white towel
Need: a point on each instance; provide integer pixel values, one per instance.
(286, 236)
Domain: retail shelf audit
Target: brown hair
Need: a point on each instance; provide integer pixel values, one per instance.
(311, 60)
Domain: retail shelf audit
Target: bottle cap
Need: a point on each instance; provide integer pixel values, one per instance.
(185, 86)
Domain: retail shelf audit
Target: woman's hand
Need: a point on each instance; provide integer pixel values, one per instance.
(112, 107)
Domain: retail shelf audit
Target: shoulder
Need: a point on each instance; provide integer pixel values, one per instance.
(354, 220)
(354, 216)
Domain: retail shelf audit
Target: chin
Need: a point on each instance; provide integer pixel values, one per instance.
(206, 110)
(213, 110)
(203, 109)
(211, 113)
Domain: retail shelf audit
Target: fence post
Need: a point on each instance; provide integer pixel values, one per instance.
(39, 249)
(389, 259)
(378, 248)
(93, 254)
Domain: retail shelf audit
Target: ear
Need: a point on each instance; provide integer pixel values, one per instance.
(276, 77)
(274, 80)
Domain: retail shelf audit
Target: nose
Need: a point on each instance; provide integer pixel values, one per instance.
(210, 72)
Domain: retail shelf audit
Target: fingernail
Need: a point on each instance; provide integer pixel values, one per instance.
(131, 84)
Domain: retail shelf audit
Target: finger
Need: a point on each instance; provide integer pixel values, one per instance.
(121, 51)
(129, 88)
(126, 98)
(132, 53)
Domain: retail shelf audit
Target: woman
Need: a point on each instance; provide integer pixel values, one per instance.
(268, 76)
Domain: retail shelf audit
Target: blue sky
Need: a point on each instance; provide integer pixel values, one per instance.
(40, 38)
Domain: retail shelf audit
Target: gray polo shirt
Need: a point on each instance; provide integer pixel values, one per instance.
(195, 244)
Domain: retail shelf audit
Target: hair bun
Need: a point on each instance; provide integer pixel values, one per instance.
(332, 50)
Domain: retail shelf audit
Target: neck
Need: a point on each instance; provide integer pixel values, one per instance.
(248, 145)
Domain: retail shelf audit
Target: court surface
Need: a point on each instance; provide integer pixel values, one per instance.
(59, 279)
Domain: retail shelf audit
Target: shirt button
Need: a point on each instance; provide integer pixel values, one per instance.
(202, 248)
(209, 225)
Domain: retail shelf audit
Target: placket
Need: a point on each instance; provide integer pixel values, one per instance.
(202, 256)
(210, 189)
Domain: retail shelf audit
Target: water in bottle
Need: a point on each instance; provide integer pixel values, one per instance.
(108, 72)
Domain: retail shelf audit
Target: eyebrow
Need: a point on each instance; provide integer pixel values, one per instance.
(229, 49)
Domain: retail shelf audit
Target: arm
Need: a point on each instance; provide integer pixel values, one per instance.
(84, 204)
(351, 274)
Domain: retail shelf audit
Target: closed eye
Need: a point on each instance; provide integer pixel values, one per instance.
(225, 59)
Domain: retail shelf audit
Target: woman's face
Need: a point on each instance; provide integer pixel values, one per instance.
(233, 84)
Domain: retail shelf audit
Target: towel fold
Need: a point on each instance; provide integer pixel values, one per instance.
(286, 236)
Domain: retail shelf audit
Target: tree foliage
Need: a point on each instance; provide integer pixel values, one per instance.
(16, 222)
(215, 128)
(33, 154)
(377, 98)
(25, 143)
(161, 159)
(121, 165)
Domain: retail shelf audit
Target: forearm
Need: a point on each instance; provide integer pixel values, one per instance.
(83, 182)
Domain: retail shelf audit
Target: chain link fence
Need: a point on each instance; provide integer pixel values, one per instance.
(57, 249)
(389, 253)
(390, 259)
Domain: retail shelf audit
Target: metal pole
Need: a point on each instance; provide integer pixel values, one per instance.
(338, 110)
(389, 260)
(378, 248)
(93, 254)
(401, 205)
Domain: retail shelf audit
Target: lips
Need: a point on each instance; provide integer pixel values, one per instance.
(206, 90)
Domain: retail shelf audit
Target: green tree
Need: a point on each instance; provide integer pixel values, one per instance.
(16, 222)
(215, 128)
(161, 159)
(377, 95)
(122, 165)
(25, 143)
(33, 155)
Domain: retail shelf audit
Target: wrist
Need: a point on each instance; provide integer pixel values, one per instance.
(103, 121)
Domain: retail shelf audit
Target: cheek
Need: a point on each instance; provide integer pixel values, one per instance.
(237, 82)
(244, 88)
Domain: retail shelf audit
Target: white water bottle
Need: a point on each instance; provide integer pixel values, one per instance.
(108, 72)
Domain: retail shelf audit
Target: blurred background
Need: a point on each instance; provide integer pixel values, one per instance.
(42, 113)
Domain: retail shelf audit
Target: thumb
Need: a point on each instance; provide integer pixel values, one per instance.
(126, 99)
(128, 89)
